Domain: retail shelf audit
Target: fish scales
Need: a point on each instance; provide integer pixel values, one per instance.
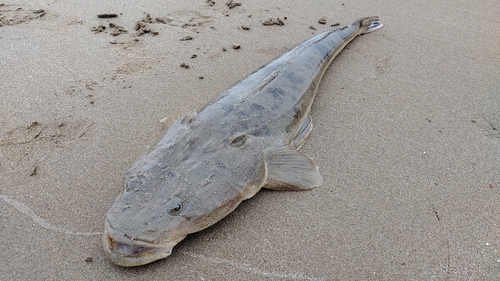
(209, 162)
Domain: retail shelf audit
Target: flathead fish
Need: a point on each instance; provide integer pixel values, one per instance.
(209, 162)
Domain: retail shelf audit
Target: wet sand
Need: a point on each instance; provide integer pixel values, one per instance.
(406, 134)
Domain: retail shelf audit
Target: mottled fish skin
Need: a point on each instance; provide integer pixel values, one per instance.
(208, 163)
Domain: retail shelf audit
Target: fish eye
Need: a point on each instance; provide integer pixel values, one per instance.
(174, 206)
(177, 208)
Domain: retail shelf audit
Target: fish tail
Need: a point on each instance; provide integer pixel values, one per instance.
(370, 24)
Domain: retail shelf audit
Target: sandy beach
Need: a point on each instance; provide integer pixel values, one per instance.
(406, 135)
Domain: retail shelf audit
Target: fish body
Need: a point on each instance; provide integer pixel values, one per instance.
(209, 162)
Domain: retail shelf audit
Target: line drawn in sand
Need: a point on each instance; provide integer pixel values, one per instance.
(21, 207)
(40, 221)
(250, 269)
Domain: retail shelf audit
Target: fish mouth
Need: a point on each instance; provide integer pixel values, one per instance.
(129, 255)
(129, 250)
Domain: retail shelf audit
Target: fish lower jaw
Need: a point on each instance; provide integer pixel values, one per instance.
(127, 255)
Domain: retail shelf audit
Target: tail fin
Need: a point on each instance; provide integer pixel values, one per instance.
(370, 24)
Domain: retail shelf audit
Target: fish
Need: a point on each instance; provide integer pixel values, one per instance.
(207, 163)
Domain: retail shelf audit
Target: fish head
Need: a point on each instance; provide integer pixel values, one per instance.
(133, 235)
(162, 202)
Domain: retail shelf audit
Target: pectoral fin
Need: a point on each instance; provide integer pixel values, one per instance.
(288, 169)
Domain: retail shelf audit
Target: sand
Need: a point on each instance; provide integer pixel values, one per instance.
(406, 134)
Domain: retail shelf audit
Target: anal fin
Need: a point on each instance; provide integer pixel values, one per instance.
(288, 169)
